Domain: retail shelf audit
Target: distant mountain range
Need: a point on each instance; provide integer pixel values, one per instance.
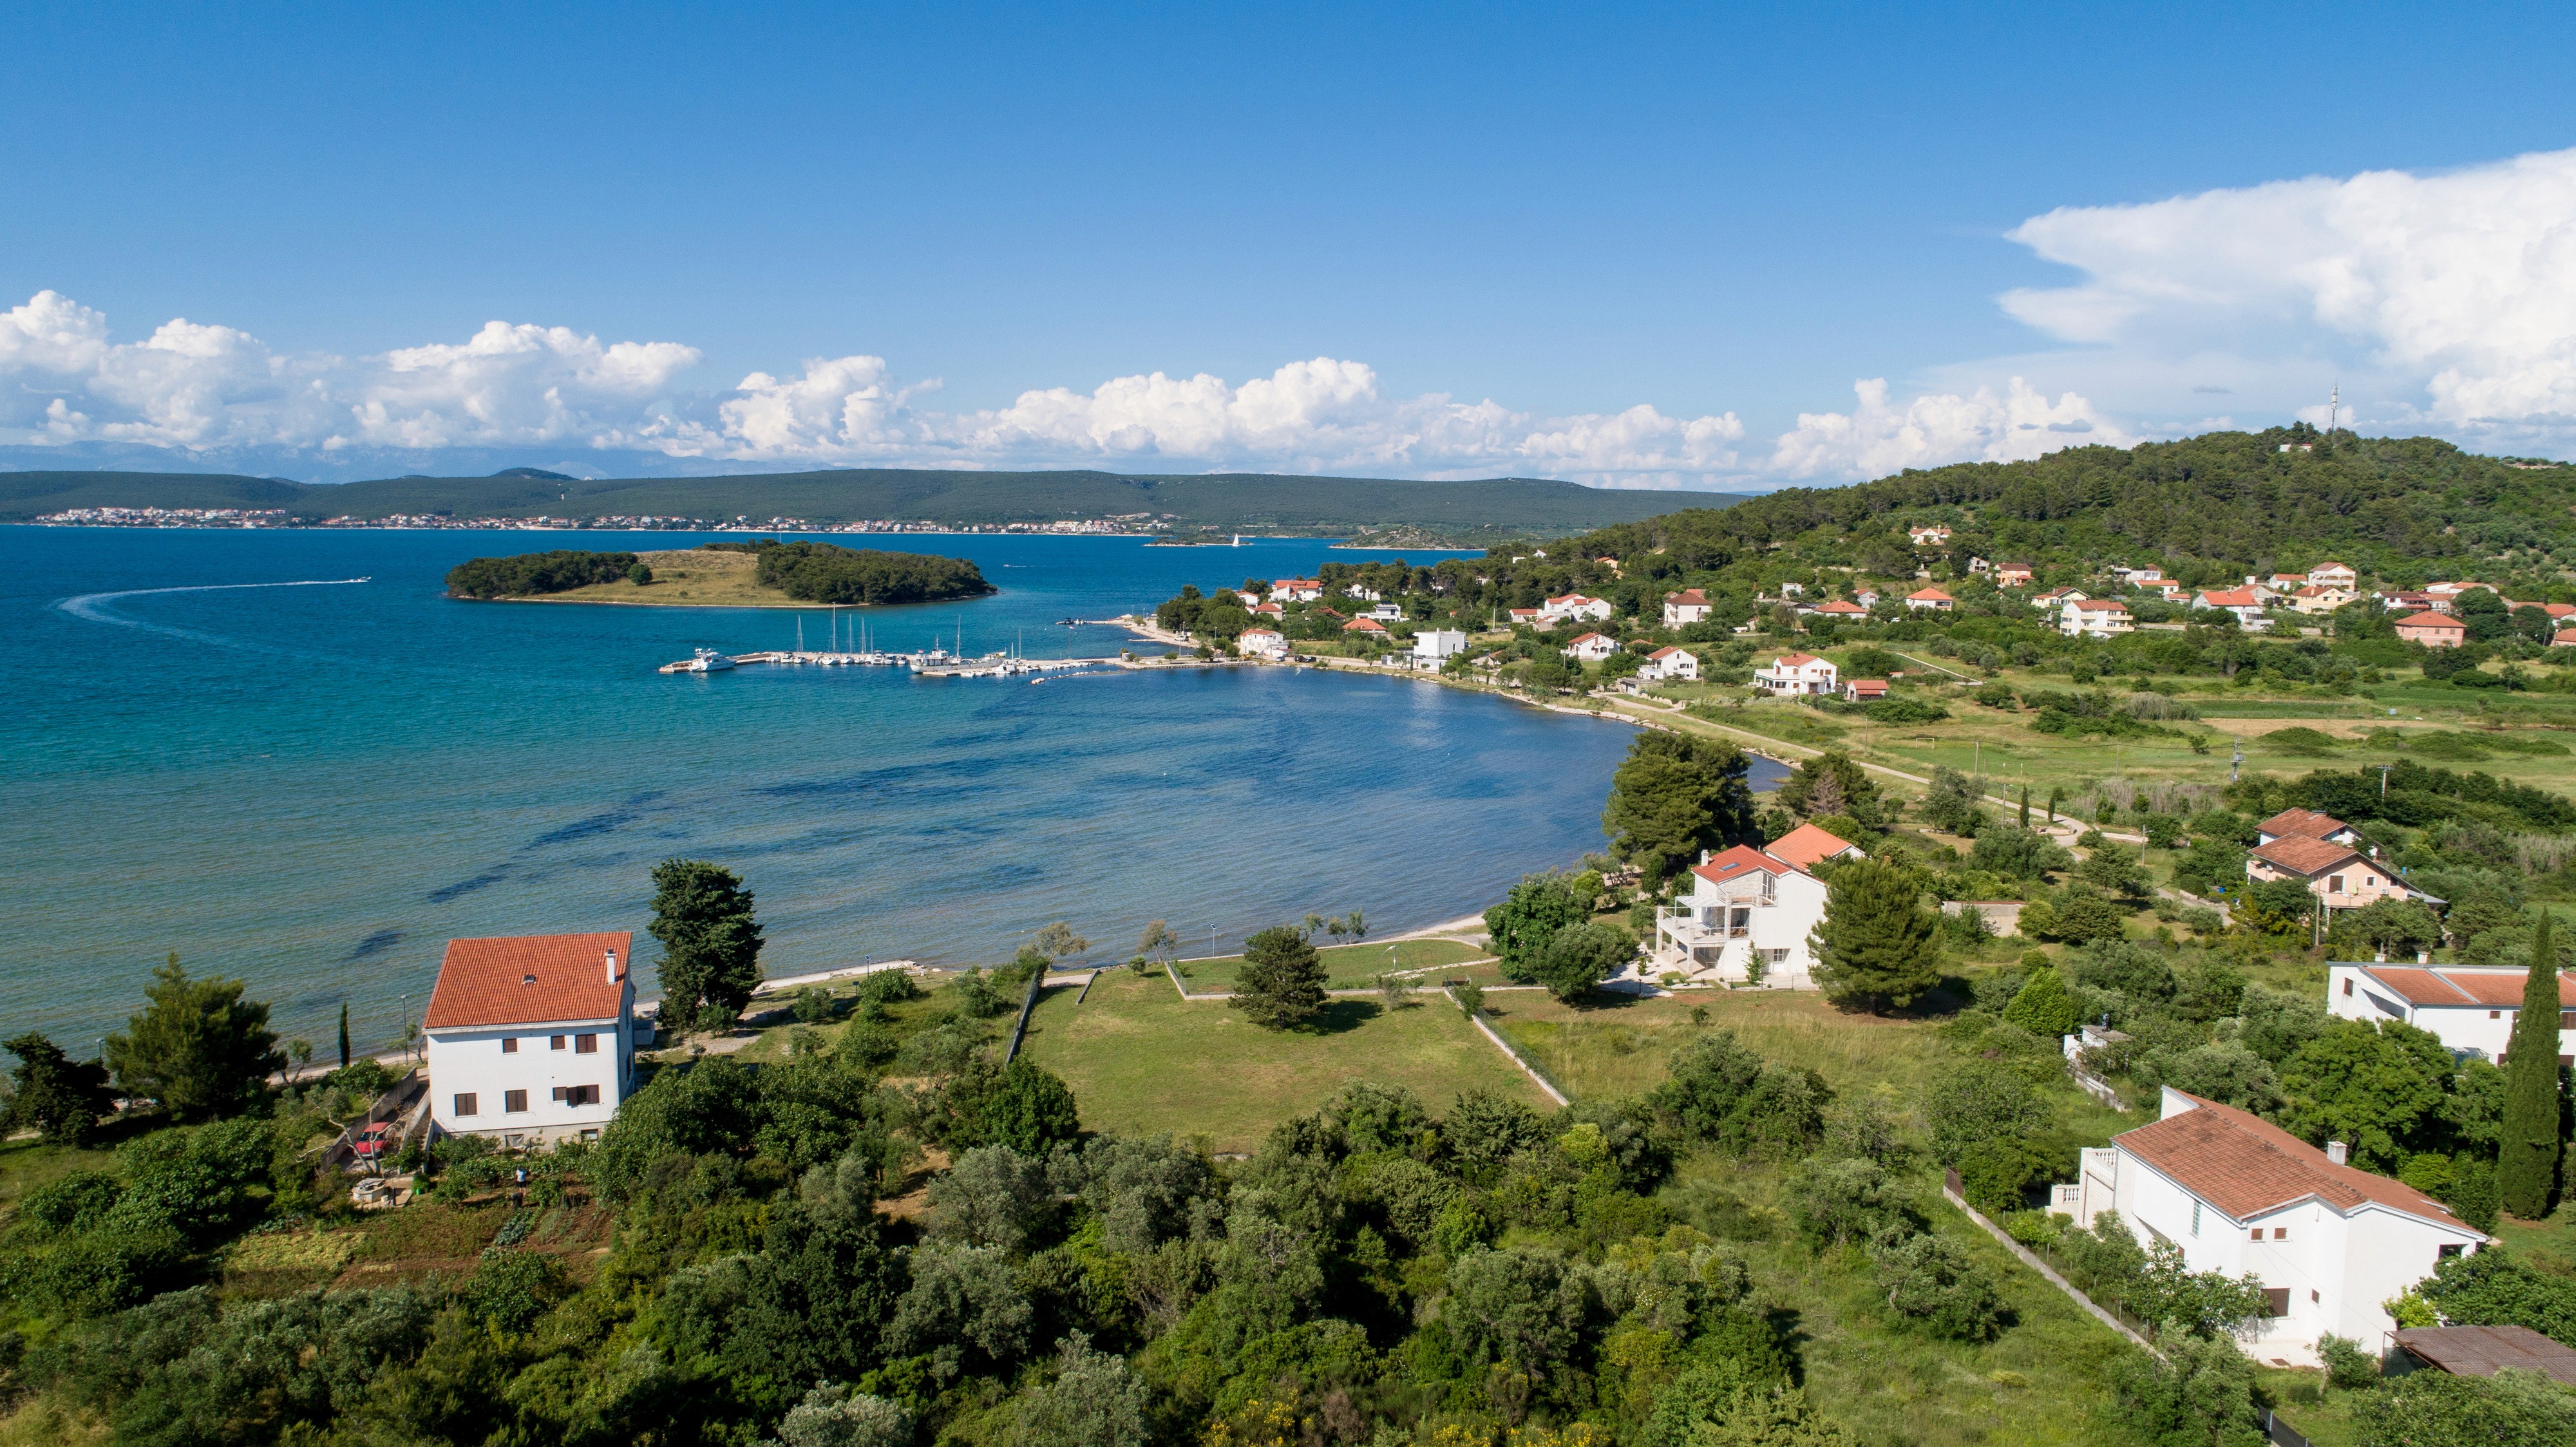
(1190, 504)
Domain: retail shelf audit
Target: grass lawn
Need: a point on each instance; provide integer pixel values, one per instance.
(1348, 967)
(27, 1164)
(1620, 1048)
(690, 578)
(1142, 1061)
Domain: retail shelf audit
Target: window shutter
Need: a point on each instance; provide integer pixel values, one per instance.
(2276, 1301)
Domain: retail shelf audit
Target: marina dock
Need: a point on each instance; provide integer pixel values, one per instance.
(933, 663)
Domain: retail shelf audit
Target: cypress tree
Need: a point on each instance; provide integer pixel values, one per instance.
(2043, 1004)
(344, 1035)
(1875, 945)
(2025, 806)
(2527, 1156)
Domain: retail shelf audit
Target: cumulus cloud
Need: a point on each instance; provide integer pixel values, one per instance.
(2461, 284)
(1878, 436)
(211, 387)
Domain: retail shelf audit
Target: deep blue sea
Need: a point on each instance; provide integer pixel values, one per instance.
(314, 787)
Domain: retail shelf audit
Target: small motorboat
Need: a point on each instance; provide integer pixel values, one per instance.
(707, 661)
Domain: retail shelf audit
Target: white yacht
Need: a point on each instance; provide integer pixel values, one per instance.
(707, 661)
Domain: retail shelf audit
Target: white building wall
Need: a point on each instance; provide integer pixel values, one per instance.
(472, 1062)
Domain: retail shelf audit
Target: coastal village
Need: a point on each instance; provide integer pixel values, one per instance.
(2156, 928)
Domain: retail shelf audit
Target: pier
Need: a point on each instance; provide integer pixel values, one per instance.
(933, 663)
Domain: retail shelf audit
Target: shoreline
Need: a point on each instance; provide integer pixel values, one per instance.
(560, 598)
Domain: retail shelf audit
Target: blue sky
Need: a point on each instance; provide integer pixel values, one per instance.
(1484, 241)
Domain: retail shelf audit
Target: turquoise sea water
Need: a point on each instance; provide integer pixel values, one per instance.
(314, 787)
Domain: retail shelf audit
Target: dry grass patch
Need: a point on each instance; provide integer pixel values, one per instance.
(1619, 1047)
(688, 578)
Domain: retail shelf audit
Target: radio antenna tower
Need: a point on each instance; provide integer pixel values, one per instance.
(2334, 409)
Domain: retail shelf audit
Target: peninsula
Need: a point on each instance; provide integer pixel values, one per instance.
(764, 573)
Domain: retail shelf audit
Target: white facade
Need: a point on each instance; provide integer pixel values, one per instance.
(2328, 1242)
(1671, 663)
(1261, 643)
(1931, 598)
(2466, 1007)
(1575, 605)
(1796, 673)
(1749, 915)
(2085, 617)
(531, 1039)
(1591, 648)
(2333, 575)
(1688, 606)
(1435, 646)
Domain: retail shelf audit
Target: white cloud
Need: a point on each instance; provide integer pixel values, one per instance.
(63, 380)
(1878, 437)
(2461, 284)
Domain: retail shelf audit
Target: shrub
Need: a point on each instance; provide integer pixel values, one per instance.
(1931, 1283)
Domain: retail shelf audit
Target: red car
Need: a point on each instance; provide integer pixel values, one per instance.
(373, 1142)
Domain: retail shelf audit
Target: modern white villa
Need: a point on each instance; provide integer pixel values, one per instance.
(1795, 673)
(531, 1038)
(1750, 913)
(2239, 1195)
(1576, 605)
(1671, 663)
(1690, 605)
(2466, 1007)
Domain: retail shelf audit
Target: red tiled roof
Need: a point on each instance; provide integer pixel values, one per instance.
(2502, 988)
(1868, 685)
(1793, 660)
(2305, 856)
(1930, 593)
(2246, 1166)
(1688, 597)
(1582, 638)
(1804, 845)
(2558, 610)
(2431, 619)
(2419, 987)
(1732, 864)
(1839, 606)
(2100, 605)
(2230, 598)
(1658, 653)
(1363, 625)
(527, 980)
(2304, 823)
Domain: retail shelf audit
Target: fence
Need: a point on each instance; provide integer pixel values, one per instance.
(1545, 1081)
(396, 1098)
(1028, 1002)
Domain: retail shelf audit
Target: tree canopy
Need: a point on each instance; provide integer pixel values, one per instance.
(710, 941)
(198, 1048)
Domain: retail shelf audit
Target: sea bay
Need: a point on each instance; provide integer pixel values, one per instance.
(218, 748)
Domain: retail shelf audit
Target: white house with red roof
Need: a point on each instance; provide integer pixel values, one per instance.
(2433, 629)
(2094, 618)
(1532, 618)
(1750, 913)
(1576, 605)
(2246, 603)
(1838, 610)
(1670, 663)
(1690, 605)
(1261, 643)
(2441, 596)
(1929, 535)
(2467, 1007)
(1591, 648)
(1932, 599)
(1296, 590)
(2242, 1197)
(1365, 628)
(2334, 575)
(2056, 597)
(2321, 597)
(531, 1038)
(1795, 673)
(1865, 690)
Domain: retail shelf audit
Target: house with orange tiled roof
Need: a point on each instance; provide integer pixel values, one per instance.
(1932, 599)
(1365, 628)
(1838, 610)
(1576, 605)
(1591, 647)
(2238, 1195)
(2433, 629)
(2246, 603)
(2467, 1007)
(2014, 575)
(2333, 575)
(2337, 874)
(531, 1038)
(1792, 674)
(1750, 912)
(1670, 663)
(1690, 605)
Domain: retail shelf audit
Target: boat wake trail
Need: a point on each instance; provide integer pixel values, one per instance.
(94, 607)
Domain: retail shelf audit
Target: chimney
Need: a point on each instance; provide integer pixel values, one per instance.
(2423, 957)
(2379, 958)
(612, 964)
(2336, 1151)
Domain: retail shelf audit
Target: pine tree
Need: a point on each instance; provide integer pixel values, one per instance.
(1875, 947)
(2527, 1155)
(710, 942)
(344, 1035)
(1282, 983)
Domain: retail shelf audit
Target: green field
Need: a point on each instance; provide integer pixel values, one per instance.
(1142, 1061)
(1348, 967)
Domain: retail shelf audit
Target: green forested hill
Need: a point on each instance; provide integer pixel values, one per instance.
(2208, 508)
(1218, 502)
